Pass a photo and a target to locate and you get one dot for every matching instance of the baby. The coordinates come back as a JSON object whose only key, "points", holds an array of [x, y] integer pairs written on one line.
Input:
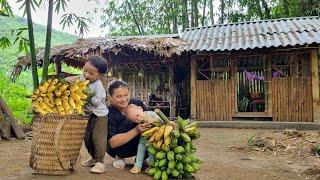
{"points": [[137, 115]]}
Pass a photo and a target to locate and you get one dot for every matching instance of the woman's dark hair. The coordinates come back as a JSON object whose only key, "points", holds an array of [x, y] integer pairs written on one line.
{"points": [[99, 62], [115, 84]]}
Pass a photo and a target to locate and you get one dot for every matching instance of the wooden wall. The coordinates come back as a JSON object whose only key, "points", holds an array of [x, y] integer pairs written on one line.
{"points": [[292, 99], [215, 99]]}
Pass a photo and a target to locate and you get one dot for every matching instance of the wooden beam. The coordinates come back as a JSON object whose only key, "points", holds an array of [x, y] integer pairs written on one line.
{"points": [[315, 85], [193, 88]]}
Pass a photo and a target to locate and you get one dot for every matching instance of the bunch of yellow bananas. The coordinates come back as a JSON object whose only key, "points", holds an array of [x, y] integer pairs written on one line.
{"points": [[159, 137], [59, 97]]}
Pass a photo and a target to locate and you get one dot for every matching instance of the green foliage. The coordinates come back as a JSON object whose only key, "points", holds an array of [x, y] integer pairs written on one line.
{"points": [[4, 42], [60, 4], [295, 8], [5, 9], [145, 17], [14, 93], [15, 97], [9, 56], [70, 19], [33, 3]]}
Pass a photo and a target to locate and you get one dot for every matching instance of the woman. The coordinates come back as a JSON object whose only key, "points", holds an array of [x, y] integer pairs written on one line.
{"points": [[123, 134]]}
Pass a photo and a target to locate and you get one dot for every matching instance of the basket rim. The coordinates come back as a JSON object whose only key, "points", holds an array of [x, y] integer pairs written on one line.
{"points": [[64, 116]]}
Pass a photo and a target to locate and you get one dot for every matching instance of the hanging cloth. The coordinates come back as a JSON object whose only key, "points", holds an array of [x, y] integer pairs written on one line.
{"points": [[252, 76], [277, 74]]}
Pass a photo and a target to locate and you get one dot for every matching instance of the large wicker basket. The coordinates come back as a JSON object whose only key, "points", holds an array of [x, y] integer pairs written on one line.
{"points": [[56, 143]]}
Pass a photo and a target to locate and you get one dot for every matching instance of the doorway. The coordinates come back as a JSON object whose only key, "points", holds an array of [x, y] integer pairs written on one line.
{"points": [[251, 86]]}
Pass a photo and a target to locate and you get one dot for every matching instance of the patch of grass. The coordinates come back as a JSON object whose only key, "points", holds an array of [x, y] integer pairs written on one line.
{"points": [[251, 140], [316, 150]]}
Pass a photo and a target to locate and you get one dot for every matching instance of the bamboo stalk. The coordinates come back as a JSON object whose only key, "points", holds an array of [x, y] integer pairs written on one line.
{"points": [[162, 116]]}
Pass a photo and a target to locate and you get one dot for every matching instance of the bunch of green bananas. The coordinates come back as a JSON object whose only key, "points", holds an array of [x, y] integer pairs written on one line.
{"points": [[59, 97], [173, 149]]}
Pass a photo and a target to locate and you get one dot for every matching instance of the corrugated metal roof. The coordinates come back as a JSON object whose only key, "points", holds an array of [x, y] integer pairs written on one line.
{"points": [[255, 34]]}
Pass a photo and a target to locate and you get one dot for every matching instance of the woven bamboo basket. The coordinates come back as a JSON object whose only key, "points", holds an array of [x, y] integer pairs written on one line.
{"points": [[56, 143]]}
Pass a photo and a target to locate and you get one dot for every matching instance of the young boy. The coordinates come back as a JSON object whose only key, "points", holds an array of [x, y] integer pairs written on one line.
{"points": [[95, 136], [137, 115]]}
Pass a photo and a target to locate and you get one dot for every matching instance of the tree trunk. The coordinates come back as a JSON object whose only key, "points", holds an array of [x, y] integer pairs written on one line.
{"points": [[222, 6], [48, 43], [266, 9], [168, 15], [211, 12], [227, 6], [175, 17], [2, 133], [260, 14], [140, 19], [135, 19], [32, 46], [286, 8], [185, 16], [204, 12], [196, 13], [192, 13], [4, 127]]}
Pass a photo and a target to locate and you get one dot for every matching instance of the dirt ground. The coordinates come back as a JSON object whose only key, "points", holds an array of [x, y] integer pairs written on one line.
{"points": [[220, 150]]}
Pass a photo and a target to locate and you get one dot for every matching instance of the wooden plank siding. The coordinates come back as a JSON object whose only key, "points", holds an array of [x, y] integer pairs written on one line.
{"points": [[292, 99], [315, 85], [214, 99]]}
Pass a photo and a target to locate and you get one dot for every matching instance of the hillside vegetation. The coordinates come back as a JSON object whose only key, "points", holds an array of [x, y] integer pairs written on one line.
{"points": [[15, 93]]}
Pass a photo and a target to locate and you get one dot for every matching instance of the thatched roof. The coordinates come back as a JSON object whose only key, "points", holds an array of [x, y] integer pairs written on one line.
{"points": [[75, 54]]}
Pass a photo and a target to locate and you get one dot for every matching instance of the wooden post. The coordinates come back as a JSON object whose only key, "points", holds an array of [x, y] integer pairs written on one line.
{"points": [[234, 92], [268, 97], [193, 88], [119, 73], [315, 85], [172, 92], [12, 122], [58, 68]]}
